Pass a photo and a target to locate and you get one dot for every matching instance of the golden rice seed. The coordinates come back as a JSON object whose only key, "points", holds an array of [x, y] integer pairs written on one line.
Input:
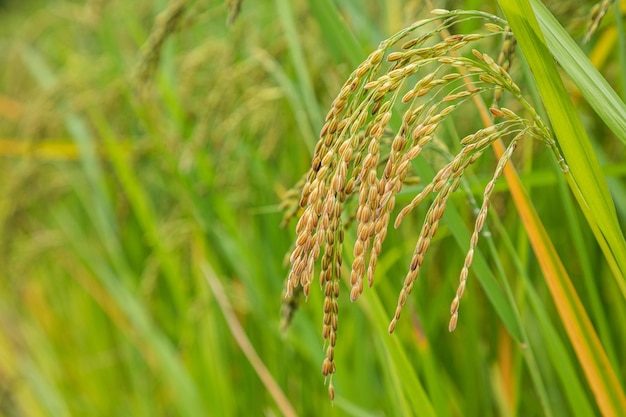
{"points": [[406, 210], [376, 130], [399, 142], [489, 189], [441, 46], [332, 128], [418, 131], [362, 70], [330, 353], [342, 124], [457, 163], [447, 110], [478, 55], [458, 63], [409, 44], [326, 260], [424, 141], [489, 61], [336, 184], [461, 290], [488, 79], [495, 112], [376, 56], [373, 191], [296, 254], [469, 258], [386, 115], [452, 324], [459, 45], [330, 237], [327, 305], [439, 11], [327, 367], [509, 114], [334, 321], [446, 60], [433, 120], [354, 293], [472, 37], [425, 80], [331, 391], [469, 139], [298, 268], [392, 326], [453, 39], [395, 56], [474, 239], [396, 73], [492, 27], [464, 273], [349, 188], [358, 265], [423, 52], [371, 84], [422, 247], [451, 77], [339, 104], [324, 129], [363, 214], [303, 222], [410, 95], [422, 92], [454, 306], [404, 165], [326, 332], [354, 84], [328, 290]]}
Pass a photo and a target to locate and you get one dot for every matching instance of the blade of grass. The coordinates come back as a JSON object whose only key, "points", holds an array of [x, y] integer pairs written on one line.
{"points": [[400, 367], [621, 42], [583, 72], [339, 38], [585, 176], [576, 148], [285, 14], [556, 350], [596, 90], [244, 343], [592, 193]]}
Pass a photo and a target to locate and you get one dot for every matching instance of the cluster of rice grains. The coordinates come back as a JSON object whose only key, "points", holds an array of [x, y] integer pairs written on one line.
{"points": [[425, 81]]}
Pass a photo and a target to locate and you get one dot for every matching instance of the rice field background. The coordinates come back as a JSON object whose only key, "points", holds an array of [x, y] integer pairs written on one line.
{"points": [[148, 154]]}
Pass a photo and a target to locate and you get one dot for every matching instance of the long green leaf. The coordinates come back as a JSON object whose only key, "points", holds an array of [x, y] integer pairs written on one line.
{"points": [[339, 39], [592, 193], [596, 90]]}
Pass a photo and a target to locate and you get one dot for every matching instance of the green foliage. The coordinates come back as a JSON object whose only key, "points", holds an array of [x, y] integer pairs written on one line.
{"points": [[145, 148]]}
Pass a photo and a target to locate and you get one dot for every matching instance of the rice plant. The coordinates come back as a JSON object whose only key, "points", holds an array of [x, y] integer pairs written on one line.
{"points": [[148, 156]]}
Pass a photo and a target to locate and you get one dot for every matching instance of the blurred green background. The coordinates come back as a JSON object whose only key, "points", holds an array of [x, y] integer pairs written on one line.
{"points": [[145, 147]]}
